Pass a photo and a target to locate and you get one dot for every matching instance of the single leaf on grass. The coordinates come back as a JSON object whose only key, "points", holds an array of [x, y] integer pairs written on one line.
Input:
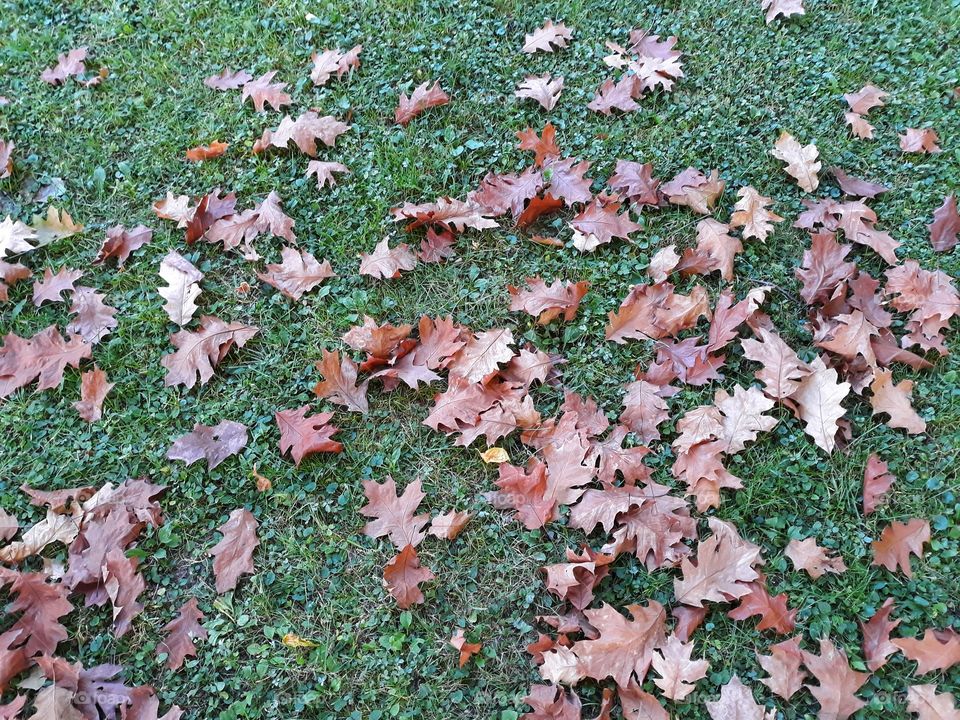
{"points": [[175, 207], [303, 435], [8, 525], [207, 152], [894, 400], [182, 289], [233, 555], [855, 186], [467, 649], [838, 682], [818, 398], [436, 246], [784, 666], [619, 95], [678, 672], [179, 635], [543, 89], [693, 189], [392, 515], [876, 643], [93, 390], [297, 274], [262, 91], [737, 703], [199, 352], [227, 79], [865, 99], [859, 125], [6, 163], [663, 262], [52, 287], [69, 64], [945, 225], [421, 99], [808, 556], [403, 575], [339, 384], [915, 140], [123, 584], [897, 542], [447, 213], [324, 172], [752, 215], [386, 262], [823, 267], [801, 160], [548, 302], [876, 481], [781, 8], [936, 650], [716, 249], [772, 609], [543, 146], [120, 242], [55, 226], [213, 444], [601, 223], [94, 318], [926, 704], [547, 38]]}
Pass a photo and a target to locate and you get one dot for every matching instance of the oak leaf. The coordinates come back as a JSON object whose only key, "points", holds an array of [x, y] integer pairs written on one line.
{"points": [[10, 275], [403, 575], [645, 408], [859, 125], [663, 262], [838, 682], [179, 635], [772, 609], [543, 146], [623, 647], [867, 98], [781, 8], [752, 215], [483, 354], [304, 131], [6, 163], [324, 172], [808, 556], [638, 704], [211, 443], [636, 182], [421, 99], [69, 64], [619, 95], [334, 62], [447, 213], [123, 585], [262, 91], [227, 79], [678, 672], [547, 38], [14, 236], [876, 643], [936, 650], [298, 273], [447, 526], [801, 160], [94, 318], [894, 400], [120, 242], [600, 222], [44, 357], [467, 649], [93, 390], [784, 665], [695, 190], [52, 287], [924, 701], [199, 352], [386, 262], [818, 400], [546, 303], [856, 186], [945, 225], [897, 542], [543, 89], [737, 703], [175, 207], [182, 289], [233, 555], [723, 566], [340, 383], [823, 267], [876, 481], [715, 250], [916, 140], [303, 435]]}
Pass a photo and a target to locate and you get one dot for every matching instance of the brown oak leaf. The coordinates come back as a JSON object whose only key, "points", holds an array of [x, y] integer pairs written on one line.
{"points": [[120, 242], [211, 443], [386, 262], [179, 635], [876, 481], [421, 99], [897, 542], [233, 555], [262, 91], [838, 682], [93, 391], [303, 435], [403, 575], [298, 273], [199, 352]]}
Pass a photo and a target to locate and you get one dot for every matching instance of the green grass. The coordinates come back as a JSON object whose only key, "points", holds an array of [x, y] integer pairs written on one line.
{"points": [[119, 147]]}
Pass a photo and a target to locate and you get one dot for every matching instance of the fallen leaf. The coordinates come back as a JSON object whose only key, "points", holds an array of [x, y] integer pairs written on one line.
{"points": [[386, 262], [93, 390], [781, 8], [179, 635], [867, 98], [495, 456], [324, 172], [838, 683], [449, 525], [945, 225], [548, 302], [213, 444], [467, 649], [303, 435], [94, 318], [392, 515], [293, 640], [808, 556], [894, 400], [784, 666], [543, 89], [737, 703], [403, 575], [678, 672], [924, 701], [182, 289], [262, 91], [876, 482], [120, 242], [897, 542], [818, 398], [207, 152], [52, 287], [876, 643], [199, 352], [916, 140], [801, 160], [421, 99], [233, 555], [547, 38], [937, 650], [297, 274], [752, 215], [228, 80]]}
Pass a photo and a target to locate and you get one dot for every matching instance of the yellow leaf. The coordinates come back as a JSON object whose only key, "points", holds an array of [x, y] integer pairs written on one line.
{"points": [[55, 226], [295, 641], [495, 455]]}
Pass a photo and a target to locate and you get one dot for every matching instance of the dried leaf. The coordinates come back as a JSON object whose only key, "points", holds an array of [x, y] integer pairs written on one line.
{"points": [[233, 555]]}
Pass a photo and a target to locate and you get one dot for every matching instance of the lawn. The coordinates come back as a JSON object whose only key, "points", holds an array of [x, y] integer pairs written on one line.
{"points": [[109, 152]]}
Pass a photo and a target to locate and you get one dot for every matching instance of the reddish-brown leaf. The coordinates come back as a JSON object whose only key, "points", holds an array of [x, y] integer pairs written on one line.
{"points": [[543, 146], [44, 357], [876, 636], [93, 390], [784, 665], [547, 38], [897, 542], [94, 318], [548, 302], [876, 482], [303, 435], [207, 152], [180, 633], [386, 262], [199, 352], [919, 140], [403, 575], [233, 555], [120, 242], [936, 650], [213, 444], [838, 682], [262, 91], [228, 80], [421, 99], [945, 226], [467, 649]]}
